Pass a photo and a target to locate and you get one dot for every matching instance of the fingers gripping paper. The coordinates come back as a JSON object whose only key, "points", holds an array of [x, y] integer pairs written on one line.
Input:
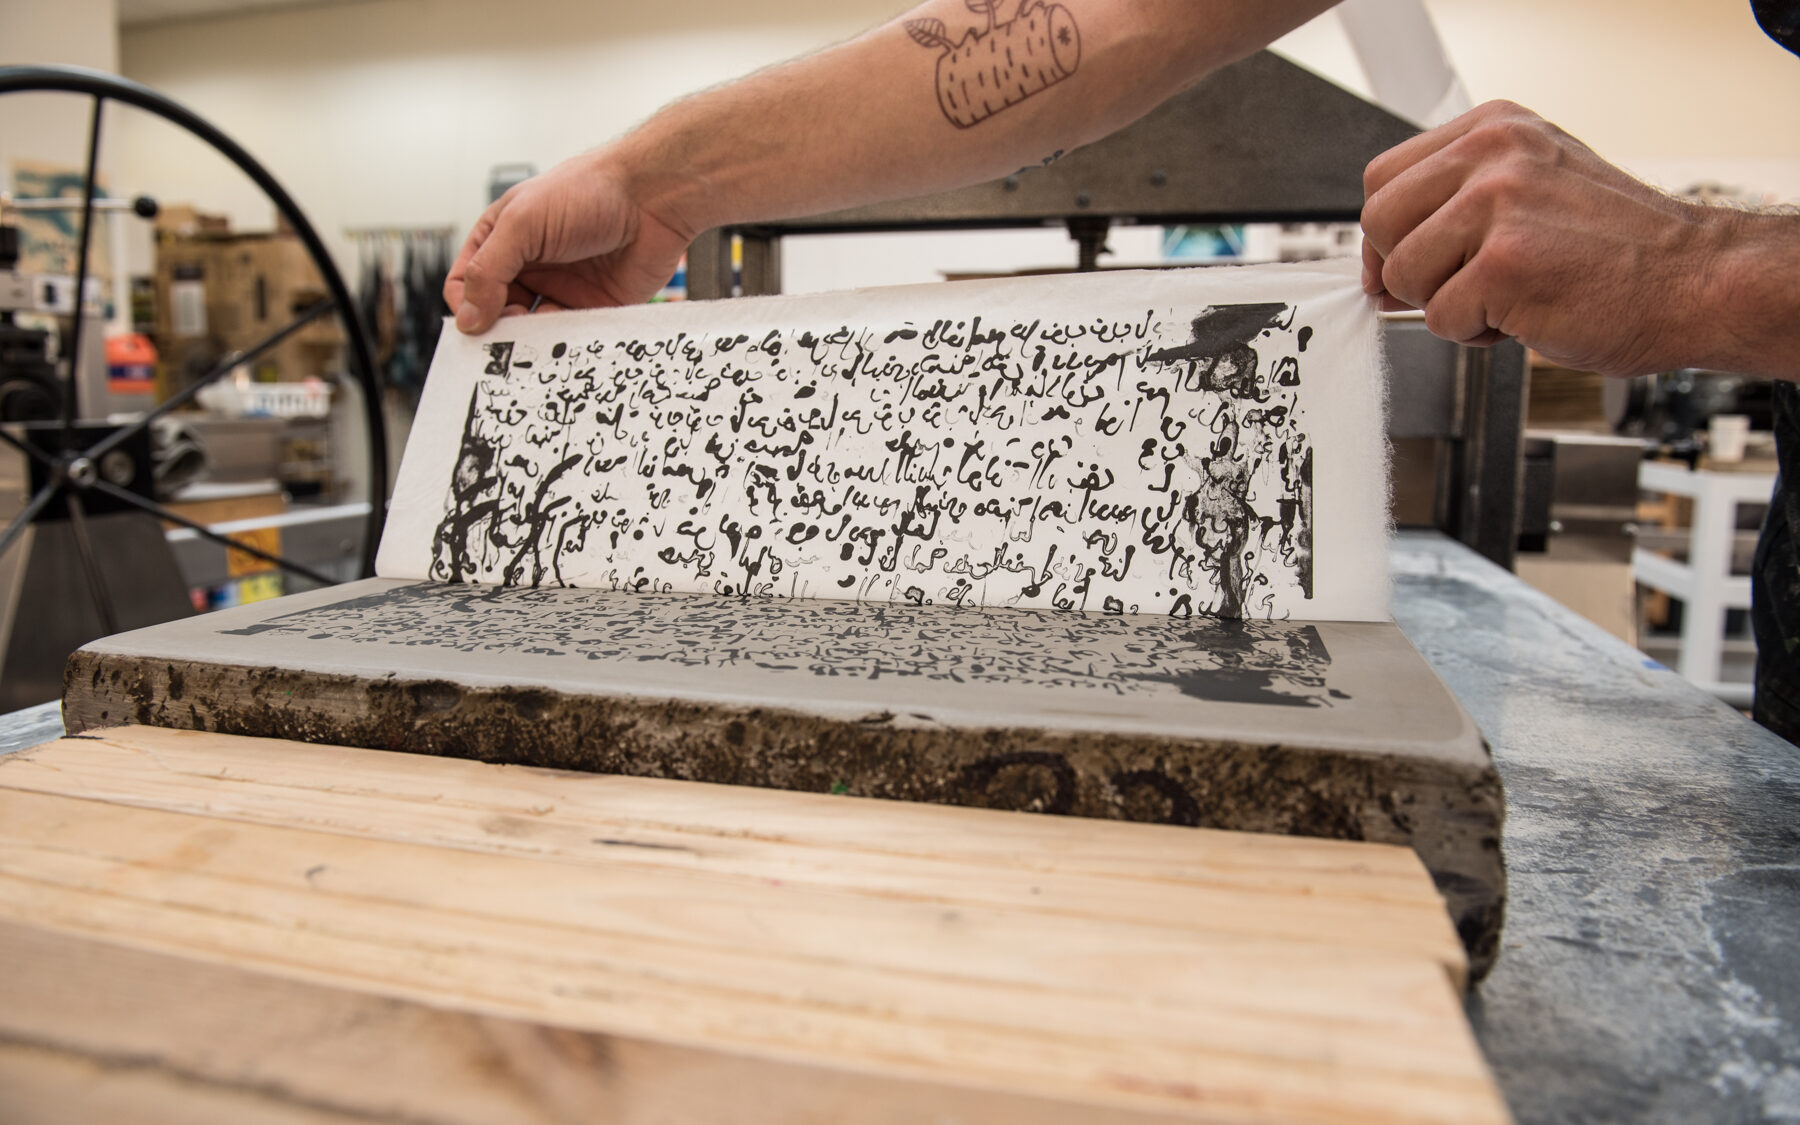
{"points": [[1182, 442]]}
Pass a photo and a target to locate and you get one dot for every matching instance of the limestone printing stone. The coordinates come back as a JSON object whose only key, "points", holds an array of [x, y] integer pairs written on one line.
{"points": [[1332, 729]]}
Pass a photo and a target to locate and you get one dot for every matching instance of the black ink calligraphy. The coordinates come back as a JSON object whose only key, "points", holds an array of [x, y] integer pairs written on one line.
{"points": [[1091, 464], [951, 649]]}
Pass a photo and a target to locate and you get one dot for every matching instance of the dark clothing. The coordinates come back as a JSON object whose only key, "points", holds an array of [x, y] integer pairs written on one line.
{"points": [[1775, 583], [1781, 19]]}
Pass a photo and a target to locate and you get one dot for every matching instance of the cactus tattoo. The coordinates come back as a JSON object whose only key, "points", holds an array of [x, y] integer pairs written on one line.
{"points": [[990, 70]]}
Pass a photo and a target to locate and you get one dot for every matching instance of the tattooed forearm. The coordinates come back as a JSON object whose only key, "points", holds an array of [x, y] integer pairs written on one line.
{"points": [[1005, 63]]}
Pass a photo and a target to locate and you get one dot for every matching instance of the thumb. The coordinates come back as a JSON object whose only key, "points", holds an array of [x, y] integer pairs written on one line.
{"points": [[491, 269]]}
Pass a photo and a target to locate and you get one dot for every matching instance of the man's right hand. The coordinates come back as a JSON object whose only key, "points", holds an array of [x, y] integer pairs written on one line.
{"points": [[570, 238], [1499, 225]]}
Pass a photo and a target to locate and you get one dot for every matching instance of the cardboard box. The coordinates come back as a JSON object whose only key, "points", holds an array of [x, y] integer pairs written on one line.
{"points": [[182, 320], [234, 290], [183, 267], [182, 220], [264, 283], [227, 508]]}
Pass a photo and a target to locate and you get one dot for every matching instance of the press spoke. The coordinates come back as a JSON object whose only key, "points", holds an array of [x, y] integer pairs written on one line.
{"points": [[205, 532]]}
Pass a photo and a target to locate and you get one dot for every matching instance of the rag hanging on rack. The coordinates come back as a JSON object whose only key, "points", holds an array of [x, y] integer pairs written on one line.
{"points": [[402, 271]]}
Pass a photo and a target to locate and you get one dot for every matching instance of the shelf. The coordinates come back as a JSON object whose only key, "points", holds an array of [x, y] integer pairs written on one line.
{"points": [[1676, 579], [1704, 584]]}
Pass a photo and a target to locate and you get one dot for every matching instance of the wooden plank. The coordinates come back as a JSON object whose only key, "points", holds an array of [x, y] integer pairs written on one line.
{"points": [[97, 1032], [700, 989], [187, 859], [1320, 886], [44, 1087], [137, 755], [834, 935]]}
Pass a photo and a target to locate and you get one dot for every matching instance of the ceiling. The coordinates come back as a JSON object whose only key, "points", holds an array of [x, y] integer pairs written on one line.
{"points": [[136, 13]]}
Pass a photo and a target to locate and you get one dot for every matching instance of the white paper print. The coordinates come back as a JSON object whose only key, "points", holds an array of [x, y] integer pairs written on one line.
{"points": [[1177, 442]]}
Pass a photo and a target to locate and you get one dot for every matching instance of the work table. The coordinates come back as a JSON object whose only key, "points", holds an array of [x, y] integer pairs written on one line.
{"points": [[1653, 843]]}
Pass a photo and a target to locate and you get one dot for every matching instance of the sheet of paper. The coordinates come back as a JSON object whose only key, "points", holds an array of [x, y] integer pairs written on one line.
{"points": [[1203, 441]]}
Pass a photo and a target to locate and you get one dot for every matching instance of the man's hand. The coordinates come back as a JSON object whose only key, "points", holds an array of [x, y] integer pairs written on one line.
{"points": [[570, 238], [1500, 224]]}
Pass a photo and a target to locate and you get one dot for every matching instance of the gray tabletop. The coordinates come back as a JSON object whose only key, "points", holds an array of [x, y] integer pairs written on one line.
{"points": [[1649, 970]]}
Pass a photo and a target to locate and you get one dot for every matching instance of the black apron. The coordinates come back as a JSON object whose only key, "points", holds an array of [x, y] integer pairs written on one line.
{"points": [[1775, 582]]}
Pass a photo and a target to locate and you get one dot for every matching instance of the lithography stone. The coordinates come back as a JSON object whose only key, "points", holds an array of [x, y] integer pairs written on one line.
{"points": [[1334, 729]]}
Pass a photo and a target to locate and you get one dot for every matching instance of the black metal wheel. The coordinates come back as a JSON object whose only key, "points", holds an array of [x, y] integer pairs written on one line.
{"points": [[74, 470]]}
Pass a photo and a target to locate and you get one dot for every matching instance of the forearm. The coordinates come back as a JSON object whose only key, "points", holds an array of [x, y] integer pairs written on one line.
{"points": [[883, 117], [1746, 318], [954, 92]]}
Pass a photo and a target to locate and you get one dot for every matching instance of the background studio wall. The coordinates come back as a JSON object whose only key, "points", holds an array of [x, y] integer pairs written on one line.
{"points": [[48, 127]]}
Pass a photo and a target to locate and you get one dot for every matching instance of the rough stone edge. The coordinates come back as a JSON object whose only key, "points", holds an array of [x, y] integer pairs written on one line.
{"points": [[1451, 816]]}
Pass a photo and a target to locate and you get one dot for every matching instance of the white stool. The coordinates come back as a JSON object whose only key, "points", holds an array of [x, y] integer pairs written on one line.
{"points": [[1704, 584]]}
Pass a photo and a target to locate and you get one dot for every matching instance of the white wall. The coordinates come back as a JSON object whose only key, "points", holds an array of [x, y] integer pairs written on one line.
{"points": [[1675, 90], [392, 111], [53, 128]]}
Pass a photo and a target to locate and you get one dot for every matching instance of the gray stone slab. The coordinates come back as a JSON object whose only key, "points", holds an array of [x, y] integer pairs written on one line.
{"points": [[30, 726], [1648, 972], [1334, 729]]}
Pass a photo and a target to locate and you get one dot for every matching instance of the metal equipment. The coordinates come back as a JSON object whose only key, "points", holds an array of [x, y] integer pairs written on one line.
{"points": [[1580, 495], [1262, 140], [91, 554]]}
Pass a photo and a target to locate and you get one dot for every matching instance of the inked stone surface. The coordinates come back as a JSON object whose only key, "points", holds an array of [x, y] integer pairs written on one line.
{"points": [[1324, 729]]}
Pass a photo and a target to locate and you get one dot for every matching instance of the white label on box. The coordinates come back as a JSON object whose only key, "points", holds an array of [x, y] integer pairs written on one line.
{"points": [[187, 306]]}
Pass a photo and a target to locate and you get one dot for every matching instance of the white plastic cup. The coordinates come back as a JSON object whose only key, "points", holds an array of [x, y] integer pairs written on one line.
{"points": [[1726, 436]]}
